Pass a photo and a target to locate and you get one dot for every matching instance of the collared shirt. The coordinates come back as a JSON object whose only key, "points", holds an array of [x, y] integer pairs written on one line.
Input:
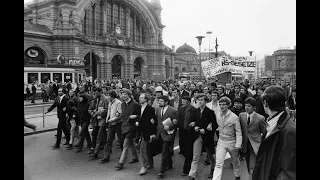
{"points": [[214, 107], [194, 103], [272, 123], [143, 107], [61, 97], [163, 110], [251, 115], [114, 109], [176, 103]]}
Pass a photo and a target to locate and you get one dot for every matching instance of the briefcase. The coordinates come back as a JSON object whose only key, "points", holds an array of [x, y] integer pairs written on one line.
{"points": [[156, 147]]}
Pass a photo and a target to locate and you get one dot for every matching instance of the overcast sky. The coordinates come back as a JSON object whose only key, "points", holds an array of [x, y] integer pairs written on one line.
{"points": [[240, 25]]}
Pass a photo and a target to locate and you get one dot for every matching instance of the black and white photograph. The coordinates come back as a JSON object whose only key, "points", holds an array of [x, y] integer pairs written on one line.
{"points": [[159, 89]]}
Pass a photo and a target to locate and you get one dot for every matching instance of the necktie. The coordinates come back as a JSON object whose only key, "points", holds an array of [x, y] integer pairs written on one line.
{"points": [[98, 104], [248, 120], [162, 111]]}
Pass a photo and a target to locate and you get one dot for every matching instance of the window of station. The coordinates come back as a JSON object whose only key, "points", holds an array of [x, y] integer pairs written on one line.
{"points": [[68, 77], [45, 77], [58, 77], [32, 77]]}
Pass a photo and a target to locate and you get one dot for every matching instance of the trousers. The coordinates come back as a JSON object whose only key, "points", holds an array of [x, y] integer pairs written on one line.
{"points": [[128, 144], [62, 126], [146, 155], [250, 157], [112, 130], [222, 148], [102, 136], [197, 148], [84, 134]]}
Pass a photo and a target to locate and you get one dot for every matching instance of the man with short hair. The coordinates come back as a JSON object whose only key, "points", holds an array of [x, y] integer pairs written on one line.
{"points": [[128, 128], [276, 158], [230, 139], [34, 92], [259, 104], [61, 104], [144, 116], [114, 124], [237, 94], [202, 133], [252, 126], [237, 107], [159, 92], [176, 101], [100, 113], [166, 132], [220, 89], [183, 91]]}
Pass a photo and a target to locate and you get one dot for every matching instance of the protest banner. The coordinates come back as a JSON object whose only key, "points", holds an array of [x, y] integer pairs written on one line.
{"points": [[241, 65]]}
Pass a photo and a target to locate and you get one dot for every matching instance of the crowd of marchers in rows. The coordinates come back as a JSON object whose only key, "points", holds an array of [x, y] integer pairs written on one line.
{"points": [[248, 120]]}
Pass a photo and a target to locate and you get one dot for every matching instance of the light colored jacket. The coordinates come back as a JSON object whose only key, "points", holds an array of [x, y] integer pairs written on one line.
{"points": [[229, 128]]}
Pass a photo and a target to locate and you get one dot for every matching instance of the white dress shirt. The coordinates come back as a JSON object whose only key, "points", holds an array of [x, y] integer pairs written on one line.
{"points": [[251, 115], [143, 106], [163, 110], [61, 97]]}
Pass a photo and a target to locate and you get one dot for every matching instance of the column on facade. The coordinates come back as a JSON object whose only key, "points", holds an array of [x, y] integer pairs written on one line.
{"points": [[140, 28], [128, 11], [134, 28], [171, 66], [104, 16], [106, 67], [96, 28], [112, 16]]}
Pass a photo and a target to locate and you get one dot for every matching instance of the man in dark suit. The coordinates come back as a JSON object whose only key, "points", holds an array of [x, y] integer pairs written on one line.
{"points": [[183, 91], [186, 115], [55, 88], [166, 132], [147, 126], [61, 104], [203, 129], [252, 126], [237, 94], [34, 92], [276, 158]]}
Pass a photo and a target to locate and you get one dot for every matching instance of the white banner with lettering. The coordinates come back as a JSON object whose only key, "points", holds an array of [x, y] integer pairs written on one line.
{"points": [[242, 65]]}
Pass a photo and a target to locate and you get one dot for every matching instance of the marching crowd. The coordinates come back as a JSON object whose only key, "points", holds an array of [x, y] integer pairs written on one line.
{"points": [[247, 120]]}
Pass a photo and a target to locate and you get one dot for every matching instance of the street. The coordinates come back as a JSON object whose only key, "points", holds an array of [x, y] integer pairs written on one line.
{"points": [[43, 163]]}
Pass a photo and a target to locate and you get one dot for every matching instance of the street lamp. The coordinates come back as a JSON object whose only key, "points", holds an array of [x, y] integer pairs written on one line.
{"points": [[279, 60], [209, 32], [216, 47], [199, 42]]}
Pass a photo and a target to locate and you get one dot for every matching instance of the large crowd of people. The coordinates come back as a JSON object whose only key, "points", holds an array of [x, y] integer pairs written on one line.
{"points": [[254, 121]]}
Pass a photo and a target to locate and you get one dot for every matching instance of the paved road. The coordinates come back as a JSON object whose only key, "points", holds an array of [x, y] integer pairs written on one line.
{"points": [[43, 163]]}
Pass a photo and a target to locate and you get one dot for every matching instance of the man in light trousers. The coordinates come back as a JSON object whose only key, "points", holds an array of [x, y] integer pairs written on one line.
{"points": [[230, 139]]}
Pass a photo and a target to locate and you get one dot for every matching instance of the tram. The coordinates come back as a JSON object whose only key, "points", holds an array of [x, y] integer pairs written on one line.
{"points": [[41, 75]]}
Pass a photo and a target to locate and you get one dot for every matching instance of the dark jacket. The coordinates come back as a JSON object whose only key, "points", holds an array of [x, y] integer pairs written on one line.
{"points": [[208, 116], [259, 106], [184, 93], [83, 113], [243, 97], [60, 106], [276, 158], [171, 103], [55, 88], [127, 110], [290, 103], [34, 89], [237, 111], [186, 115], [146, 128], [170, 113]]}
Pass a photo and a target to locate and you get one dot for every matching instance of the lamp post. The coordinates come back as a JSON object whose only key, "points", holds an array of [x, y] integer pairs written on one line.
{"points": [[279, 60], [209, 32], [216, 47], [199, 42]]}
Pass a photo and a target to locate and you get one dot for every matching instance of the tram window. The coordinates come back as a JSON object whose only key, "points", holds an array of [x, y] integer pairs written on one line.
{"points": [[79, 77], [32, 77], [58, 77], [45, 77], [67, 77]]}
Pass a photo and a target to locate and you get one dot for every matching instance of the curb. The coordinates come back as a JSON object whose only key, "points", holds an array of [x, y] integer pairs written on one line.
{"points": [[38, 104], [41, 131]]}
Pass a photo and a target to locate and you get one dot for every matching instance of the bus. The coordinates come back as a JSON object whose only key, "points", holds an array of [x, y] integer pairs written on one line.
{"points": [[41, 75]]}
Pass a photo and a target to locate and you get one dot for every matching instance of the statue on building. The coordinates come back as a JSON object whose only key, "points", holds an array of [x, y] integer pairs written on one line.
{"points": [[59, 20], [71, 19]]}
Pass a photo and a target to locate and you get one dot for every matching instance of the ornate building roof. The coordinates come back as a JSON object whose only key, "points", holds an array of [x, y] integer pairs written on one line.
{"points": [[185, 48], [36, 28]]}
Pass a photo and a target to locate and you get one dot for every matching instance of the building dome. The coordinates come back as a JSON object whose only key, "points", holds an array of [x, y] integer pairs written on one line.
{"points": [[185, 48]]}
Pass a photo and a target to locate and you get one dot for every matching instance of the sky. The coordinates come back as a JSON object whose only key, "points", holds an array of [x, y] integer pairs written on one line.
{"points": [[261, 26]]}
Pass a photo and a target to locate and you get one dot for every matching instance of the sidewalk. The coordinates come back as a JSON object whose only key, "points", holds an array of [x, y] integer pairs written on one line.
{"points": [[47, 123], [37, 102]]}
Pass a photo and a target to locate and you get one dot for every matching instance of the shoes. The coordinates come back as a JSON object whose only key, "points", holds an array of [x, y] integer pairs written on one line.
{"points": [[69, 147], [150, 167], [237, 178], [76, 146], [104, 160], [94, 156], [184, 174], [143, 171], [168, 168], [119, 166], [190, 178], [35, 129], [91, 151], [55, 147], [240, 158], [160, 175], [55, 135], [134, 161], [66, 143]]}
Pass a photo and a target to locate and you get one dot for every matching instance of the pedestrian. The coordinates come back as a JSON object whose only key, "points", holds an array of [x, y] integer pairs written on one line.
{"points": [[84, 116], [114, 124], [128, 128], [34, 92], [276, 158], [61, 104], [147, 126], [186, 115], [100, 113], [159, 92], [237, 94], [259, 104], [73, 119], [29, 125], [166, 132], [55, 88], [202, 133], [252, 126], [183, 91], [28, 92], [230, 139]]}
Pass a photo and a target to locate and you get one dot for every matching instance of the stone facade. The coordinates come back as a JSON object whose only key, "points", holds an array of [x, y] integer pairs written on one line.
{"points": [[72, 28]]}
